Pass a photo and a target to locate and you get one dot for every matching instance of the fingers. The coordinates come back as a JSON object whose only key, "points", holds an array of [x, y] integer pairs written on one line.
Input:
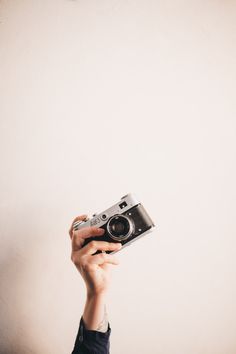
{"points": [[78, 218], [95, 246], [102, 258], [79, 236]]}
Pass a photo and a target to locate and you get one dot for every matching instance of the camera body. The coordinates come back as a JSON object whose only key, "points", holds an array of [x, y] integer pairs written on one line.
{"points": [[124, 222]]}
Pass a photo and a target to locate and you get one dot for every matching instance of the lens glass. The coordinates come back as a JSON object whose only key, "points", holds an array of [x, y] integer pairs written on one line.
{"points": [[119, 226]]}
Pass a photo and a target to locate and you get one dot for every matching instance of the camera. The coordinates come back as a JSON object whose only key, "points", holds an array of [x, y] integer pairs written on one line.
{"points": [[124, 222]]}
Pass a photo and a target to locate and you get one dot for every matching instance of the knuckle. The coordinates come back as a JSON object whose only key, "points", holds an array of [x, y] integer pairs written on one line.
{"points": [[73, 233], [93, 244], [79, 233], [113, 245], [103, 256], [93, 230], [106, 244], [85, 231], [77, 241], [74, 258]]}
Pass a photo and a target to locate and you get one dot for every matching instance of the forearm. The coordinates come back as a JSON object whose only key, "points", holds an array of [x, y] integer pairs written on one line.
{"points": [[95, 316]]}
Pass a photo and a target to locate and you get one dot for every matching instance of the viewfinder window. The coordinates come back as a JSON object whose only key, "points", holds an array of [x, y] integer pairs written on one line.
{"points": [[123, 205]]}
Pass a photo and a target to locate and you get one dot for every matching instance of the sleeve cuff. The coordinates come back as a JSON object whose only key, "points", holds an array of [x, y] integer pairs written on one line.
{"points": [[92, 341], [94, 335]]}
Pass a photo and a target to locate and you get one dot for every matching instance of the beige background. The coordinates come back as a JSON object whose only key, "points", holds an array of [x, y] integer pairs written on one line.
{"points": [[101, 98]]}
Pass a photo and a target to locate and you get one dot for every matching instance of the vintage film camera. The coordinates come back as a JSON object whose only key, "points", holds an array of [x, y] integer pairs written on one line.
{"points": [[124, 222]]}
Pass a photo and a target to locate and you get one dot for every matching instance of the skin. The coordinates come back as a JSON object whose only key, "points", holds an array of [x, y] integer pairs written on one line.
{"points": [[95, 271]]}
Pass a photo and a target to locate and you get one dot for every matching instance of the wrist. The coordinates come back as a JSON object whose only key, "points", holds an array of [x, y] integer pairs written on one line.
{"points": [[95, 316], [95, 295]]}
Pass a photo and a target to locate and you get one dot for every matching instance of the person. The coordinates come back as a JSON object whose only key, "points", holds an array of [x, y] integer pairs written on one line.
{"points": [[93, 336]]}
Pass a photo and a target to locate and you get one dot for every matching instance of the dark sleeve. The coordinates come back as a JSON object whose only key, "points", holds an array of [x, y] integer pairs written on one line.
{"points": [[91, 342]]}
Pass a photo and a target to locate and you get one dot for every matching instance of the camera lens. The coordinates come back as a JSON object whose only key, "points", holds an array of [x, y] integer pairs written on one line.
{"points": [[120, 227]]}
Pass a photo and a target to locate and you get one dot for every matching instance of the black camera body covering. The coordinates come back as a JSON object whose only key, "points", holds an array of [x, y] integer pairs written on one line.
{"points": [[124, 222]]}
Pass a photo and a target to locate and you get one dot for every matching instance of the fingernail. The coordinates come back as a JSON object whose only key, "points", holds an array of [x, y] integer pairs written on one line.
{"points": [[120, 245]]}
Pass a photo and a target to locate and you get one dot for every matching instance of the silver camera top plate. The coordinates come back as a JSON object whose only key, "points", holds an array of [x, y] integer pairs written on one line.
{"points": [[127, 202]]}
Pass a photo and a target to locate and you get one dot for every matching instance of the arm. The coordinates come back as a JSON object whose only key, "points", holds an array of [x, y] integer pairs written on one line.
{"points": [[95, 315], [94, 330]]}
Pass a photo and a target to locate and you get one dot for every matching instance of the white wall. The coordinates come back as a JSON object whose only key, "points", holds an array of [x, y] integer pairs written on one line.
{"points": [[101, 98]]}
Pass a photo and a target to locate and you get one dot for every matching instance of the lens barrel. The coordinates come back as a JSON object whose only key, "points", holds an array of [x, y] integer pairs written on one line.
{"points": [[120, 227]]}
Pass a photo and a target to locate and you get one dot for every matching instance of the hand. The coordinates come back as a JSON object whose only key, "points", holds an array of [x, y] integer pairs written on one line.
{"points": [[95, 269]]}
